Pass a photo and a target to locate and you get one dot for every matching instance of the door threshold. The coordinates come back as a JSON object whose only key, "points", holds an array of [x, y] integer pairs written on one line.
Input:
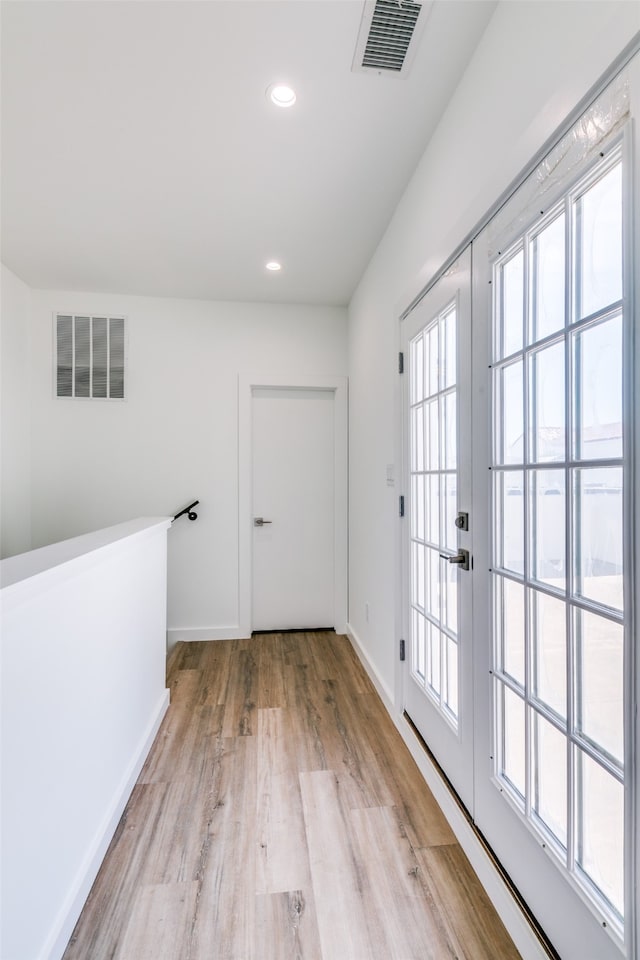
{"points": [[256, 633], [536, 929]]}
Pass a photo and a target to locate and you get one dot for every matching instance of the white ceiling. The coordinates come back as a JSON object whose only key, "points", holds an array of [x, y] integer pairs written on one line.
{"points": [[140, 154]]}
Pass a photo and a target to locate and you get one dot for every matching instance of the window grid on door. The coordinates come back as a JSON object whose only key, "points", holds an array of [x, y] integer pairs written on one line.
{"points": [[558, 609], [433, 503]]}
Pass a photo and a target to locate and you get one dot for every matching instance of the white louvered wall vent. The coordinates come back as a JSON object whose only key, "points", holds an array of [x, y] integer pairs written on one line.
{"points": [[89, 357], [388, 36]]}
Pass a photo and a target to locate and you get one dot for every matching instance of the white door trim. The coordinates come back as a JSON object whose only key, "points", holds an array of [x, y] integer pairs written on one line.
{"points": [[247, 383]]}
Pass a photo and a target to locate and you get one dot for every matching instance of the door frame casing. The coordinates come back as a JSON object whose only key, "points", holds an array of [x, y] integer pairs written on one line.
{"points": [[247, 383]]}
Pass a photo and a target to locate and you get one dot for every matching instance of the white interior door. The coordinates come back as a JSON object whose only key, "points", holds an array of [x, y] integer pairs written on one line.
{"points": [[438, 680], [293, 496]]}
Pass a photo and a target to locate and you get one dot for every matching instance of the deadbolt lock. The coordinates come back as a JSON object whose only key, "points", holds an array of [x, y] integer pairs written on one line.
{"points": [[462, 521]]}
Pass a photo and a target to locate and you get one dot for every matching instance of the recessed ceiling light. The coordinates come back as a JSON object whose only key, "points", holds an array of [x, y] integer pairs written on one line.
{"points": [[281, 94], [274, 266]]}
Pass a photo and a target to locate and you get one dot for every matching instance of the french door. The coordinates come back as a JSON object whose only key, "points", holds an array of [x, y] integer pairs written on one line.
{"points": [[552, 455], [437, 441], [520, 438]]}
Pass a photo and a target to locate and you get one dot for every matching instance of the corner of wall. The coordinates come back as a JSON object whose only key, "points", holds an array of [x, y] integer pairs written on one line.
{"points": [[15, 415]]}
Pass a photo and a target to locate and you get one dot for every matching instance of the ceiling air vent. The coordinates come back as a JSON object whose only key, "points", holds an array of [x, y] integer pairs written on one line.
{"points": [[387, 39]]}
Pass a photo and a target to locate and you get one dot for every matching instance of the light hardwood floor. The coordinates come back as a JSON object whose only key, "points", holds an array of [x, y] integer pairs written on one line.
{"points": [[280, 816]]}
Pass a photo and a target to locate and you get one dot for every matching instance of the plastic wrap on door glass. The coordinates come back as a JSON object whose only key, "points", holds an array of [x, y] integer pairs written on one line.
{"points": [[584, 140]]}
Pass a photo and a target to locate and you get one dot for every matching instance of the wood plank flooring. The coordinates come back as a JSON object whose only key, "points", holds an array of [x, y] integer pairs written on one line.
{"points": [[279, 816]]}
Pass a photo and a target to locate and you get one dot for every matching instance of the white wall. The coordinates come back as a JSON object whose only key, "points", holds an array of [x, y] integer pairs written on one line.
{"points": [[15, 421], [534, 64], [175, 438]]}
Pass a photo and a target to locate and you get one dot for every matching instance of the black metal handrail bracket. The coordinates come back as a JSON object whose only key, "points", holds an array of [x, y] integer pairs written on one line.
{"points": [[189, 512]]}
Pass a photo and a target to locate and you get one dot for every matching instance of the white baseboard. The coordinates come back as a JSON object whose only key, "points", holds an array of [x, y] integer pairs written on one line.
{"points": [[186, 634], [382, 689], [79, 891], [175, 634], [507, 907]]}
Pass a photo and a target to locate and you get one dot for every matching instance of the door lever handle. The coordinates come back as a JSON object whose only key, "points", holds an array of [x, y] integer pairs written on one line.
{"points": [[462, 558], [259, 522]]}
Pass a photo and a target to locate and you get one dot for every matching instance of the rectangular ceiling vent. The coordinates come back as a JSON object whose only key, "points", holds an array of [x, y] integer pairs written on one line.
{"points": [[387, 40]]}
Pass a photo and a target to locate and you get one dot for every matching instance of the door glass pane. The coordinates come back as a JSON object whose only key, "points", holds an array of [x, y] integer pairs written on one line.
{"points": [[417, 575], [598, 378], [549, 637], [417, 371], [513, 743], [450, 511], [434, 658], [547, 409], [510, 626], [509, 500], [451, 341], [601, 681], [550, 777], [599, 215], [548, 271], [417, 437], [432, 508], [510, 421], [450, 612], [419, 643], [432, 444], [417, 515], [512, 296], [547, 534], [432, 360], [433, 583], [450, 432], [451, 687], [598, 535], [601, 829]]}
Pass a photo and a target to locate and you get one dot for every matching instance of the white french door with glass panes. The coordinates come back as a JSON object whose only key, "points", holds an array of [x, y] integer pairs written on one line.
{"points": [[438, 698], [552, 367]]}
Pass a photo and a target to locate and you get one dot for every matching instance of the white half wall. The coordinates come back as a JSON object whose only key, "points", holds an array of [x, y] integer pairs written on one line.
{"points": [[175, 438], [15, 416], [82, 696], [534, 64]]}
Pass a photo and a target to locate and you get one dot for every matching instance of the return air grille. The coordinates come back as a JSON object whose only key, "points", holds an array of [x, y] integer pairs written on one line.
{"points": [[89, 357], [387, 29]]}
